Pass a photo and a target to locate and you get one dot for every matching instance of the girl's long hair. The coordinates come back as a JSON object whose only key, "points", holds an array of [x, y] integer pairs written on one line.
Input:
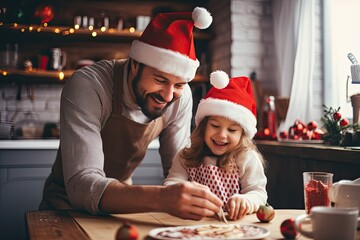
{"points": [[194, 154]]}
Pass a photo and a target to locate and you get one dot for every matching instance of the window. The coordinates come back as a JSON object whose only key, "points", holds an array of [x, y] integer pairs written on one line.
{"points": [[341, 36]]}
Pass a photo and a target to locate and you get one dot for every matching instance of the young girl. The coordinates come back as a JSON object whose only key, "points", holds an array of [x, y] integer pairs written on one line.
{"points": [[222, 155]]}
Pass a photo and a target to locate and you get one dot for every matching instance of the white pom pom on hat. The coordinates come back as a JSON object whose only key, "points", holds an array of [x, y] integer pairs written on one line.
{"points": [[201, 17], [219, 79]]}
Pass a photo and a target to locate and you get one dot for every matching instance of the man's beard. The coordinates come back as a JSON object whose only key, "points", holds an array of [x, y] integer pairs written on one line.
{"points": [[143, 101]]}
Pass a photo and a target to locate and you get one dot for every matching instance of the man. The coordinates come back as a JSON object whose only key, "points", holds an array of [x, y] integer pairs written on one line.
{"points": [[112, 110]]}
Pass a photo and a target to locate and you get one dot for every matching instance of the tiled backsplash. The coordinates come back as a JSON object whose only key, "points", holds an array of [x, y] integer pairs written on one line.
{"points": [[42, 99], [32, 103]]}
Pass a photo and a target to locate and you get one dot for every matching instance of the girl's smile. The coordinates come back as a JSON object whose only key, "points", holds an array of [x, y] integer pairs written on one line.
{"points": [[222, 135]]}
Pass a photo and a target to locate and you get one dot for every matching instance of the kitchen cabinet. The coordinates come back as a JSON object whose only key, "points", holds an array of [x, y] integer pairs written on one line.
{"points": [[24, 167], [22, 176]]}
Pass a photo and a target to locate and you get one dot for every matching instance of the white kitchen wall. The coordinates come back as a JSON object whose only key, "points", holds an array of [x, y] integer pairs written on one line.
{"points": [[221, 42], [253, 46], [244, 39]]}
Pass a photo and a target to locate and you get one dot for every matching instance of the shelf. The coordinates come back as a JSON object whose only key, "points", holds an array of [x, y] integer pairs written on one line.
{"points": [[8, 31], [36, 34], [65, 33], [49, 77], [34, 76]]}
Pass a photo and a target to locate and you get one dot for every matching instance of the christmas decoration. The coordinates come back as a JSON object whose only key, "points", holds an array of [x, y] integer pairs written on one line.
{"points": [[284, 135], [167, 42], [336, 126], [127, 232], [265, 213], [312, 125], [45, 13], [288, 229], [301, 131]]}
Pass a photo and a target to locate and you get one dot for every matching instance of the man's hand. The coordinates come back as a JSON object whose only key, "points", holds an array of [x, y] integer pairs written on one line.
{"points": [[190, 200]]}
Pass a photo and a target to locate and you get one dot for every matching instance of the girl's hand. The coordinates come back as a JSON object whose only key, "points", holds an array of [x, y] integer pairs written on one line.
{"points": [[237, 207]]}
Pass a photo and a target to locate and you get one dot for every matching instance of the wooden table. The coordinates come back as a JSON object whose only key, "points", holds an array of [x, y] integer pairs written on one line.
{"points": [[74, 225]]}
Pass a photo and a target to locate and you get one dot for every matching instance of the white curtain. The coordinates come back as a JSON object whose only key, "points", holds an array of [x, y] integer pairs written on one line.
{"points": [[294, 35], [285, 17]]}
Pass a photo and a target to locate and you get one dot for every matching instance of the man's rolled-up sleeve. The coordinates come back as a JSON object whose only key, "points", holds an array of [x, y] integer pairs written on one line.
{"points": [[81, 144]]}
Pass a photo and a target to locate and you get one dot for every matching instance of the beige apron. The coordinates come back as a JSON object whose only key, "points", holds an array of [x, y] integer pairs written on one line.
{"points": [[125, 144]]}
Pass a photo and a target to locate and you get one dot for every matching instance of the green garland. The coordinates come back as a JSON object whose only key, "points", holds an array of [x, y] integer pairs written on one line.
{"points": [[335, 126]]}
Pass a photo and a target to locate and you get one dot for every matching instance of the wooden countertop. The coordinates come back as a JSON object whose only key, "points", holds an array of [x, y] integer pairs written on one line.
{"points": [[311, 151], [74, 225]]}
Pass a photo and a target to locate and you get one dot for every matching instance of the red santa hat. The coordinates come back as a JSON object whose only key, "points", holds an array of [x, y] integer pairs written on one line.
{"points": [[167, 43], [231, 98]]}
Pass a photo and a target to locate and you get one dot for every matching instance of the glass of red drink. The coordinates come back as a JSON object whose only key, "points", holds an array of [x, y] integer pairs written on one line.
{"points": [[316, 187]]}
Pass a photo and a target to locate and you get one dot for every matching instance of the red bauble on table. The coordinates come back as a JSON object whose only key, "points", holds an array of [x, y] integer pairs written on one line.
{"points": [[288, 229], [265, 213], [127, 232]]}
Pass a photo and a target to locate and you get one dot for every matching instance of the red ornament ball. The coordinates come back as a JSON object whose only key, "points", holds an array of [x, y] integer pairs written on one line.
{"points": [[288, 229], [298, 128], [127, 232], [45, 13], [312, 125], [344, 122], [265, 213], [337, 116], [284, 134]]}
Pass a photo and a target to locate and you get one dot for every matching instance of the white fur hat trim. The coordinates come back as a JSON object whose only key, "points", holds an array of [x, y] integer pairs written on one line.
{"points": [[164, 60], [230, 110]]}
